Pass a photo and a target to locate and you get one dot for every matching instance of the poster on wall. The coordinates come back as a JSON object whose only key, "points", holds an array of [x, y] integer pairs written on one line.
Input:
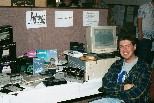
{"points": [[26, 3], [36, 19], [63, 18], [90, 18]]}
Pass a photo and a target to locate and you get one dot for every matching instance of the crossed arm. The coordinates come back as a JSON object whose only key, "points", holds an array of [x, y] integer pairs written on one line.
{"points": [[132, 88]]}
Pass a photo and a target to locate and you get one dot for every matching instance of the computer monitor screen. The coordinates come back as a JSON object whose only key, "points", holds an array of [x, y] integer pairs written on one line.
{"points": [[101, 39]]}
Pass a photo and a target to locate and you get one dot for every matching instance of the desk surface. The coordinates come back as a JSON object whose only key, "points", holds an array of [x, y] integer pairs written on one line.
{"points": [[53, 94]]}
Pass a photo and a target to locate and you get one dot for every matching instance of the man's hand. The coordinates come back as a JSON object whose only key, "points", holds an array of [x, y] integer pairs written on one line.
{"points": [[128, 86]]}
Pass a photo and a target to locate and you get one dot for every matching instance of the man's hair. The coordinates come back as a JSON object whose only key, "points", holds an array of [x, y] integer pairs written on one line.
{"points": [[126, 35]]}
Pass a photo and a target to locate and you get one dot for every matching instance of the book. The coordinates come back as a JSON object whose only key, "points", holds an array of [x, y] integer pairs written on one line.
{"points": [[47, 55], [38, 65]]}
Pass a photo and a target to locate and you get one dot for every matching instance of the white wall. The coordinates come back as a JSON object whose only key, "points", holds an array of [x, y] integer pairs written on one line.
{"points": [[126, 2]]}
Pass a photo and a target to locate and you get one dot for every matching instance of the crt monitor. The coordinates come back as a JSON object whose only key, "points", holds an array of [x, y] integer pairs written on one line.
{"points": [[101, 39]]}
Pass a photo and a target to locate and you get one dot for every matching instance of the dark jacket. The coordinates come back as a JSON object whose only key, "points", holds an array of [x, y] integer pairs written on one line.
{"points": [[139, 75]]}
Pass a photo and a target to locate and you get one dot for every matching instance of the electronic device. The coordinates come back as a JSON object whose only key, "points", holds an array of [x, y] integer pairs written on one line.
{"points": [[6, 34], [54, 81], [80, 69], [8, 51], [8, 66], [101, 39], [76, 46]]}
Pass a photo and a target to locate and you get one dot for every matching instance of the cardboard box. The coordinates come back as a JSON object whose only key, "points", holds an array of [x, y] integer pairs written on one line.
{"points": [[40, 3], [5, 2]]}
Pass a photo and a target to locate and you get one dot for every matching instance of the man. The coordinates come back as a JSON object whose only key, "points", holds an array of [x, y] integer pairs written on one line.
{"points": [[145, 30], [128, 79]]}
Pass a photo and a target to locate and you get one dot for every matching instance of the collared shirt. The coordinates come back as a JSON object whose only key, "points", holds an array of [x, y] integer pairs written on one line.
{"points": [[139, 75], [146, 11]]}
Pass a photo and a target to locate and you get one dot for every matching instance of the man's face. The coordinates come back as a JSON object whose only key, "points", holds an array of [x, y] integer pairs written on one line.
{"points": [[127, 50]]}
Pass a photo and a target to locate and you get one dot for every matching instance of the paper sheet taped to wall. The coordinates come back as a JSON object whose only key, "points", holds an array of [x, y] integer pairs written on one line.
{"points": [[63, 18], [36, 19]]}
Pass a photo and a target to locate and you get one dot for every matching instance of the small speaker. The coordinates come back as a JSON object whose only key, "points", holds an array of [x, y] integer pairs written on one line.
{"points": [[76, 46]]}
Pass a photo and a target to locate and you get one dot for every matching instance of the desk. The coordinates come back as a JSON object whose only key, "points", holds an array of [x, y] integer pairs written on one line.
{"points": [[53, 94]]}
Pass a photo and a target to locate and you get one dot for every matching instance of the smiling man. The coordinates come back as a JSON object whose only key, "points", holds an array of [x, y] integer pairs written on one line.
{"points": [[128, 79]]}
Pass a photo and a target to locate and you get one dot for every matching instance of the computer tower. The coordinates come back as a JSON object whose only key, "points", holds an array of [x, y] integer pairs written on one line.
{"points": [[93, 69]]}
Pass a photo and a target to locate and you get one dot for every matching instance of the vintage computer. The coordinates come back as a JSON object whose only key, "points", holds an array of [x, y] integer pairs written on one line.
{"points": [[99, 40]]}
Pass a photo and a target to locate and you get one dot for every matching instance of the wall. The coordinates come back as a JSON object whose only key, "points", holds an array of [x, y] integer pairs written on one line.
{"points": [[126, 2], [50, 37]]}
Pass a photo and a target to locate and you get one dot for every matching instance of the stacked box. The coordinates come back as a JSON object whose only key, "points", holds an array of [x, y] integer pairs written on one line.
{"points": [[40, 3], [5, 2], [6, 34], [7, 49], [7, 46]]}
